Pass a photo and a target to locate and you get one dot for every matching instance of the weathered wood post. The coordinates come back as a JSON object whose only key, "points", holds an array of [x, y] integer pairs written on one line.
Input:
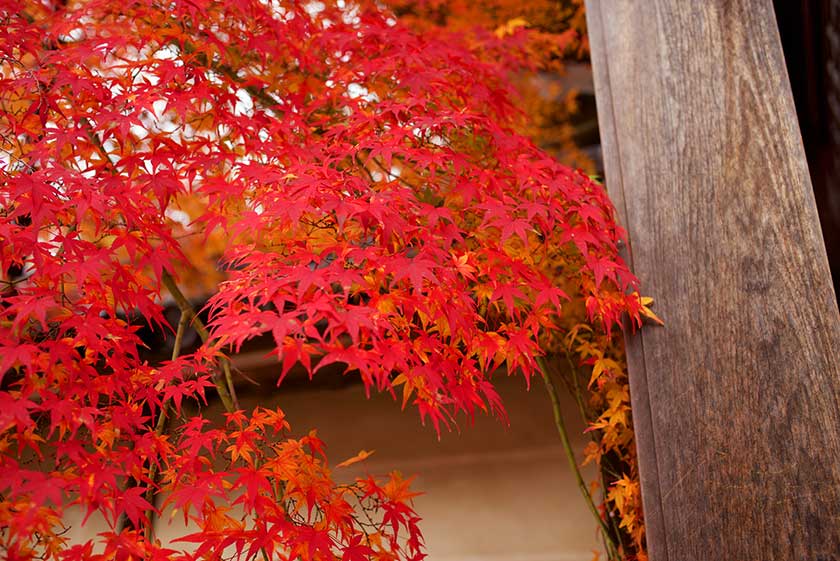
{"points": [[737, 400]]}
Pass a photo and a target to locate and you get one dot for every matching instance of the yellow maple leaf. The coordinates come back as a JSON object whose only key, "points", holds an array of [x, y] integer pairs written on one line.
{"points": [[361, 456], [510, 27], [645, 310]]}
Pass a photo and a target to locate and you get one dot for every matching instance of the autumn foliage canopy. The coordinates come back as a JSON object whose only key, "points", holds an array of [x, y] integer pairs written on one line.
{"points": [[352, 188]]}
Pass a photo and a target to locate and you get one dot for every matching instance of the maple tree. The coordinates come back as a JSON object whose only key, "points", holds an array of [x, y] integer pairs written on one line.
{"points": [[372, 206]]}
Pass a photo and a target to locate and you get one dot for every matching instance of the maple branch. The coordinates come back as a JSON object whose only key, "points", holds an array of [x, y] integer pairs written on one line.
{"points": [[267, 99], [575, 375], [573, 386], [103, 153], [602, 463], [223, 387], [179, 337], [361, 165], [570, 455], [388, 174], [160, 427], [229, 382]]}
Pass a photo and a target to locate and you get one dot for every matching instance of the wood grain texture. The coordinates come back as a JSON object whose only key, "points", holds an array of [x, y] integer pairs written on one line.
{"points": [[737, 400]]}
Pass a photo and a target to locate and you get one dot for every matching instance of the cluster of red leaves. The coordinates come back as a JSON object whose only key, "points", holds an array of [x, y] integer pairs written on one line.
{"points": [[533, 41], [376, 208], [249, 492]]}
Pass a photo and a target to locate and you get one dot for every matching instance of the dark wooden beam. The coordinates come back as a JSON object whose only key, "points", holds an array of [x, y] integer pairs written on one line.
{"points": [[810, 33], [736, 402]]}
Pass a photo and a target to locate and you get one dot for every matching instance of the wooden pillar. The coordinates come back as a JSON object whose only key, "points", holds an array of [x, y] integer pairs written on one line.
{"points": [[736, 402]]}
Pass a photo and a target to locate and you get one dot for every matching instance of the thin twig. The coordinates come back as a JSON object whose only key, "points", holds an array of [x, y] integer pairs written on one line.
{"points": [[570, 455], [573, 371], [601, 467], [160, 426], [223, 384]]}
